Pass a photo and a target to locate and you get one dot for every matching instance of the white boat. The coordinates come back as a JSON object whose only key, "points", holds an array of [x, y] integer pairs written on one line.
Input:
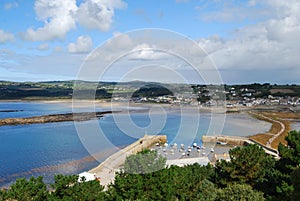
{"points": [[222, 143]]}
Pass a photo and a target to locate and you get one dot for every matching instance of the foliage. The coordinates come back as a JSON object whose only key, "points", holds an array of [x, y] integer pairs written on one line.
{"points": [[67, 188], [287, 165], [152, 90], [247, 165], [64, 188], [32, 189], [296, 183], [144, 162], [3, 195], [174, 183], [290, 154], [238, 192]]}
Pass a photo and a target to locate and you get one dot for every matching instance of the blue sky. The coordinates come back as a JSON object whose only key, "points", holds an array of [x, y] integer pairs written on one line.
{"points": [[248, 40]]}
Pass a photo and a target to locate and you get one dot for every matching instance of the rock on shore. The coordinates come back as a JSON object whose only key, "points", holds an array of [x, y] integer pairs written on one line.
{"points": [[84, 116]]}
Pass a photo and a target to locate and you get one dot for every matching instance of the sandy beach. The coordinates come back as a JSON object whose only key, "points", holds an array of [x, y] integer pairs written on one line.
{"points": [[113, 104]]}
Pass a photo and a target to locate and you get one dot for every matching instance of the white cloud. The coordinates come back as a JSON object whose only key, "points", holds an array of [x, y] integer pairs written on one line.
{"points": [[84, 44], [58, 19], [146, 52], [5, 37], [11, 5], [119, 42], [98, 14], [61, 16]]}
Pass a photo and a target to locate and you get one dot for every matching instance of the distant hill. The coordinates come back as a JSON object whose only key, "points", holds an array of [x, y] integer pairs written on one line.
{"points": [[104, 90]]}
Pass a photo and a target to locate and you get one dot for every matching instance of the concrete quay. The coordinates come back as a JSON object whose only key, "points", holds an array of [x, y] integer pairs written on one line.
{"points": [[239, 141], [107, 169]]}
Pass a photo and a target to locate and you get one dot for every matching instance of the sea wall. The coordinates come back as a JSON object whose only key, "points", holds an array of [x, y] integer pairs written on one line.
{"points": [[106, 170]]}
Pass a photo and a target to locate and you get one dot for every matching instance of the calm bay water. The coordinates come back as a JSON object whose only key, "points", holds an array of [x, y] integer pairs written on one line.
{"points": [[53, 148], [295, 125]]}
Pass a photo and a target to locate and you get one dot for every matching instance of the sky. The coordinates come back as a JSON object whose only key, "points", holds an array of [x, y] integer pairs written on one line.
{"points": [[246, 41]]}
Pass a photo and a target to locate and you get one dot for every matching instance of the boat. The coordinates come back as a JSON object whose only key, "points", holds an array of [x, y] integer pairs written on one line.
{"points": [[221, 143]]}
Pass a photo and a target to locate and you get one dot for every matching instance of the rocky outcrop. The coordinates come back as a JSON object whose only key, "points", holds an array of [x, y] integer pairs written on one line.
{"points": [[84, 116], [11, 110]]}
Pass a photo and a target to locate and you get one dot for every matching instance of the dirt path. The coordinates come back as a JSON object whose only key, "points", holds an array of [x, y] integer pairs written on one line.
{"points": [[278, 133], [274, 135]]}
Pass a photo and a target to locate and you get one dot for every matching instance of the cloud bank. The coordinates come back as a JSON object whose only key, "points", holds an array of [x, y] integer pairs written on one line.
{"points": [[270, 45]]}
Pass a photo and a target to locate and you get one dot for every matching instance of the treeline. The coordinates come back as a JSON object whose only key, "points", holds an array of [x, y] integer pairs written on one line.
{"points": [[152, 90], [42, 90], [250, 175]]}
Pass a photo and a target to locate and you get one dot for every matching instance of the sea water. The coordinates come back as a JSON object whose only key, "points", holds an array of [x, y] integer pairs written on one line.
{"points": [[58, 148], [295, 125]]}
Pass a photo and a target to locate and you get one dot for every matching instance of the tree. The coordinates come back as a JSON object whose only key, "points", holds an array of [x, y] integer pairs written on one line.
{"points": [[238, 192], [287, 165], [174, 183], [296, 183], [32, 189], [3, 194], [290, 154], [67, 188], [248, 164], [144, 162]]}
